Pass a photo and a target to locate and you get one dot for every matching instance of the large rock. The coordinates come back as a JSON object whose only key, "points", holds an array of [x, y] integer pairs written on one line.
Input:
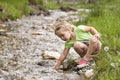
{"points": [[50, 55]]}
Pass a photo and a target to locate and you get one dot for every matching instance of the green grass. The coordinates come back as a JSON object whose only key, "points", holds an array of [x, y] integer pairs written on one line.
{"points": [[10, 12], [53, 5], [105, 18], [13, 9]]}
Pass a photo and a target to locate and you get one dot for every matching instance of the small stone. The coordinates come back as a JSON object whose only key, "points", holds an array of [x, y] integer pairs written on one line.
{"points": [[2, 30], [36, 33], [42, 63], [80, 72], [2, 25], [89, 73]]}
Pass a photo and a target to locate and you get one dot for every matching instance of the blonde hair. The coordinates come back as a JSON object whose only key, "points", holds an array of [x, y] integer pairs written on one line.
{"points": [[65, 25]]}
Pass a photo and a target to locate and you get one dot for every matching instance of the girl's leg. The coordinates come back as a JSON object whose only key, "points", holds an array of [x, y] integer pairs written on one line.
{"points": [[80, 48], [98, 48], [93, 47]]}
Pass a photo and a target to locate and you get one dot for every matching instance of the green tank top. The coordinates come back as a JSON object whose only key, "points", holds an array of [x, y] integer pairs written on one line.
{"points": [[81, 35]]}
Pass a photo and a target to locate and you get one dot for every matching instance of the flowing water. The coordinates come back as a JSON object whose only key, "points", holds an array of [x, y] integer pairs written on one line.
{"points": [[21, 48]]}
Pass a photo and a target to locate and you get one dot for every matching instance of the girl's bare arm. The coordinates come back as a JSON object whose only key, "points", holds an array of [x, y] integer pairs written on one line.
{"points": [[62, 57], [93, 31]]}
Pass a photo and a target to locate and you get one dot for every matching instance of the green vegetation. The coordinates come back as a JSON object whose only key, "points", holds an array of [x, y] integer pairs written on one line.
{"points": [[105, 18], [12, 9]]}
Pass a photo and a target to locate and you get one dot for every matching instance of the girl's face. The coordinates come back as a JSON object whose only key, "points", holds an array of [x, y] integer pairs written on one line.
{"points": [[64, 34]]}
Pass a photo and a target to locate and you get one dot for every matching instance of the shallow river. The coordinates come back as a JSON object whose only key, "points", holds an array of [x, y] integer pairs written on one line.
{"points": [[22, 46]]}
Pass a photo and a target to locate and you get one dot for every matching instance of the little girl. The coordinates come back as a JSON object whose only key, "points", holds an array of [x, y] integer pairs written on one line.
{"points": [[84, 39]]}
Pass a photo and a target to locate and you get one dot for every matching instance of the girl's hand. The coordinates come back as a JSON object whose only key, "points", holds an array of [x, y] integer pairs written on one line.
{"points": [[97, 36], [93, 39], [56, 68]]}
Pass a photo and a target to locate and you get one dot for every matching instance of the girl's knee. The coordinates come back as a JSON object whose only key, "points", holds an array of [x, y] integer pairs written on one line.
{"points": [[77, 45], [99, 45], [94, 40], [98, 48]]}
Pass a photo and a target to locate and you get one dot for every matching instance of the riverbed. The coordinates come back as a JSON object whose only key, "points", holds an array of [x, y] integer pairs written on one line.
{"points": [[22, 46]]}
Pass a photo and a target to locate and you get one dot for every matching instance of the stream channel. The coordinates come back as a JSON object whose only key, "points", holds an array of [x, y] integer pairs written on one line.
{"points": [[21, 48]]}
